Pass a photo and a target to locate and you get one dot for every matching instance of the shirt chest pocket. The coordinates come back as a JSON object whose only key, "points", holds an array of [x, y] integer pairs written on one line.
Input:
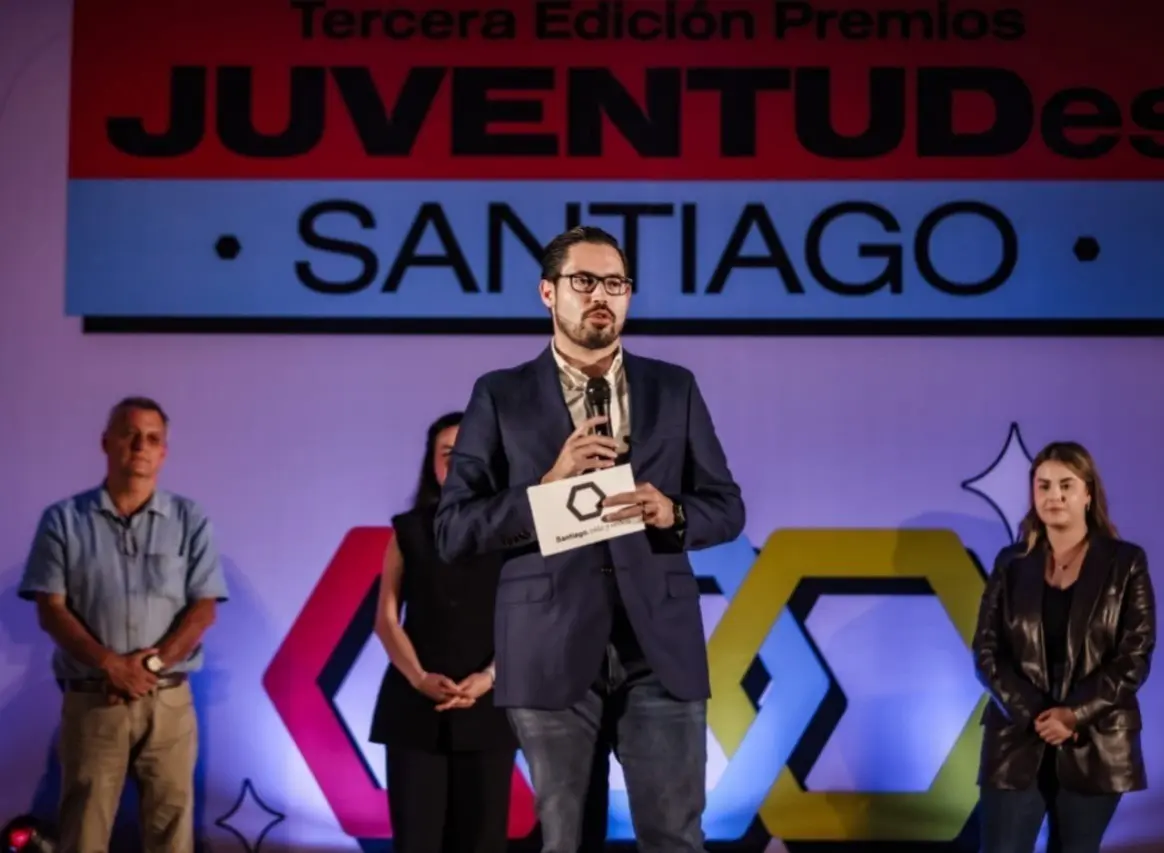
{"points": [[165, 576]]}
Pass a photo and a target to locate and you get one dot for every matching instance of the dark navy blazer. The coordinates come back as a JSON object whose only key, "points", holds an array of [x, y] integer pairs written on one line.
{"points": [[553, 615]]}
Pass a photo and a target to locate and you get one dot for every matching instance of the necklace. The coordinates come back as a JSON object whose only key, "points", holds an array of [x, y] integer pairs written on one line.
{"points": [[1062, 563]]}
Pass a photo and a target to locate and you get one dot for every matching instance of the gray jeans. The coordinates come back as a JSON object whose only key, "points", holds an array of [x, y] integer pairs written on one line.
{"points": [[661, 743]]}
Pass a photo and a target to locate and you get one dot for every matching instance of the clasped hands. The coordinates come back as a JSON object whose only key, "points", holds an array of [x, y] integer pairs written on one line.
{"points": [[587, 451], [449, 694], [1056, 726], [127, 677]]}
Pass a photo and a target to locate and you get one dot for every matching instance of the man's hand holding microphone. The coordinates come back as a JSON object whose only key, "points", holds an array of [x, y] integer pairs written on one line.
{"points": [[584, 451], [589, 448]]}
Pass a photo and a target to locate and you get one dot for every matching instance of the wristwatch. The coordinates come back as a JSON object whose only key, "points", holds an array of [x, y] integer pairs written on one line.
{"points": [[155, 664], [680, 517]]}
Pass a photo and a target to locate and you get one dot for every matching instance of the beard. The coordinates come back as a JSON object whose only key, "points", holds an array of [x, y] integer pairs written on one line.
{"points": [[589, 337]]}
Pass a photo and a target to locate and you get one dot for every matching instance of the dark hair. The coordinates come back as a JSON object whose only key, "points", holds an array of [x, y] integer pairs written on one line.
{"points": [[428, 491], [1074, 457], [554, 255], [143, 404]]}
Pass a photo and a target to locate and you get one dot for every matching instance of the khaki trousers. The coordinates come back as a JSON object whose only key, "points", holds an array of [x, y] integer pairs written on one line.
{"points": [[153, 739]]}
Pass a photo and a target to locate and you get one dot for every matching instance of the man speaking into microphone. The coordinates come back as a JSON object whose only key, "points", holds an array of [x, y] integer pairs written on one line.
{"points": [[606, 637]]}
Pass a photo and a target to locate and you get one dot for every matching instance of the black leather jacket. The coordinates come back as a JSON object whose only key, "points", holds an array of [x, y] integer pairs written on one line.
{"points": [[1111, 636]]}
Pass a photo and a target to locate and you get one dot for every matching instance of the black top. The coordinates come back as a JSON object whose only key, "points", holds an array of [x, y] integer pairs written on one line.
{"points": [[1056, 610], [448, 616]]}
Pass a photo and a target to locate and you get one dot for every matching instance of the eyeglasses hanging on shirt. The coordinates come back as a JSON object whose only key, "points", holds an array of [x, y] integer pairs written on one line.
{"points": [[126, 539]]}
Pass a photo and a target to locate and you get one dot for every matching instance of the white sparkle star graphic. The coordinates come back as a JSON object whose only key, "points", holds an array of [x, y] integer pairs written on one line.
{"points": [[1004, 483], [250, 819]]}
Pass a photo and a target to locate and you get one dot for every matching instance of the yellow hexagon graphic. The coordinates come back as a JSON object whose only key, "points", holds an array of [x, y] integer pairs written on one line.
{"points": [[790, 812]]}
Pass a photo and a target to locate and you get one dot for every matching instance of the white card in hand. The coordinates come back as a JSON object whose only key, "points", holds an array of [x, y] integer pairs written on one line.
{"points": [[568, 513]]}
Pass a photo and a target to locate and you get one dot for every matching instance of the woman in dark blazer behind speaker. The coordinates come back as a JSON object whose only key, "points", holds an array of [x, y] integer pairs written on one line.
{"points": [[1065, 637]]}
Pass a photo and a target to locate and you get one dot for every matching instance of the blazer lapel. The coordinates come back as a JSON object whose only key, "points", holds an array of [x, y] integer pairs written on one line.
{"points": [[1084, 598], [642, 412], [551, 402], [1028, 605]]}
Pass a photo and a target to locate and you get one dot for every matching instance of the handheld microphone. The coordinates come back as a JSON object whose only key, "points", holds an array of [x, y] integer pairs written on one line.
{"points": [[598, 401]]}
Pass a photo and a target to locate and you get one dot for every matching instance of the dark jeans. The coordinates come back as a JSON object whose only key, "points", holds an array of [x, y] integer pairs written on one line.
{"points": [[1011, 820], [660, 741], [596, 812]]}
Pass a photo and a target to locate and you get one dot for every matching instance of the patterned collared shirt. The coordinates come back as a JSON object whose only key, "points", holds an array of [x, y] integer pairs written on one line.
{"points": [[574, 389]]}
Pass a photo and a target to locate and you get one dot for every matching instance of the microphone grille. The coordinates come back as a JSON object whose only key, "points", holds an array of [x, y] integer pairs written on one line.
{"points": [[598, 390]]}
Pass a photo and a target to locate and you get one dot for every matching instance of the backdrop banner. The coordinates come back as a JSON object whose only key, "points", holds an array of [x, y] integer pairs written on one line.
{"points": [[766, 164]]}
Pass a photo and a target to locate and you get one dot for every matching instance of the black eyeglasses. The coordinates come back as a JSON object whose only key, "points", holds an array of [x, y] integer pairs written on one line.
{"points": [[585, 282]]}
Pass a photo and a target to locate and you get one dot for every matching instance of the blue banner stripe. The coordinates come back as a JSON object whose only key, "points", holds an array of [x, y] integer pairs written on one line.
{"points": [[236, 249]]}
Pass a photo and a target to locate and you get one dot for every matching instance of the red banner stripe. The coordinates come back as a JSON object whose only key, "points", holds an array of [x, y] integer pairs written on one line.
{"points": [[1079, 91]]}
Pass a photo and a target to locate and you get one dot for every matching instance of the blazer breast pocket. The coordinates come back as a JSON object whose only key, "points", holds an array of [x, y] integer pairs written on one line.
{"points": [[166, 576], [658, 458]]}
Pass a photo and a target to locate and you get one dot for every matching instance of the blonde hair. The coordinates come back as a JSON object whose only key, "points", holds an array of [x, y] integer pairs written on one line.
{"points": [[1078, 461]]}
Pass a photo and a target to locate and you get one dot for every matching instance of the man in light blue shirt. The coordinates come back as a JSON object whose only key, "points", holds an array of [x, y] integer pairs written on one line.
{"points": [[126, 579]]}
